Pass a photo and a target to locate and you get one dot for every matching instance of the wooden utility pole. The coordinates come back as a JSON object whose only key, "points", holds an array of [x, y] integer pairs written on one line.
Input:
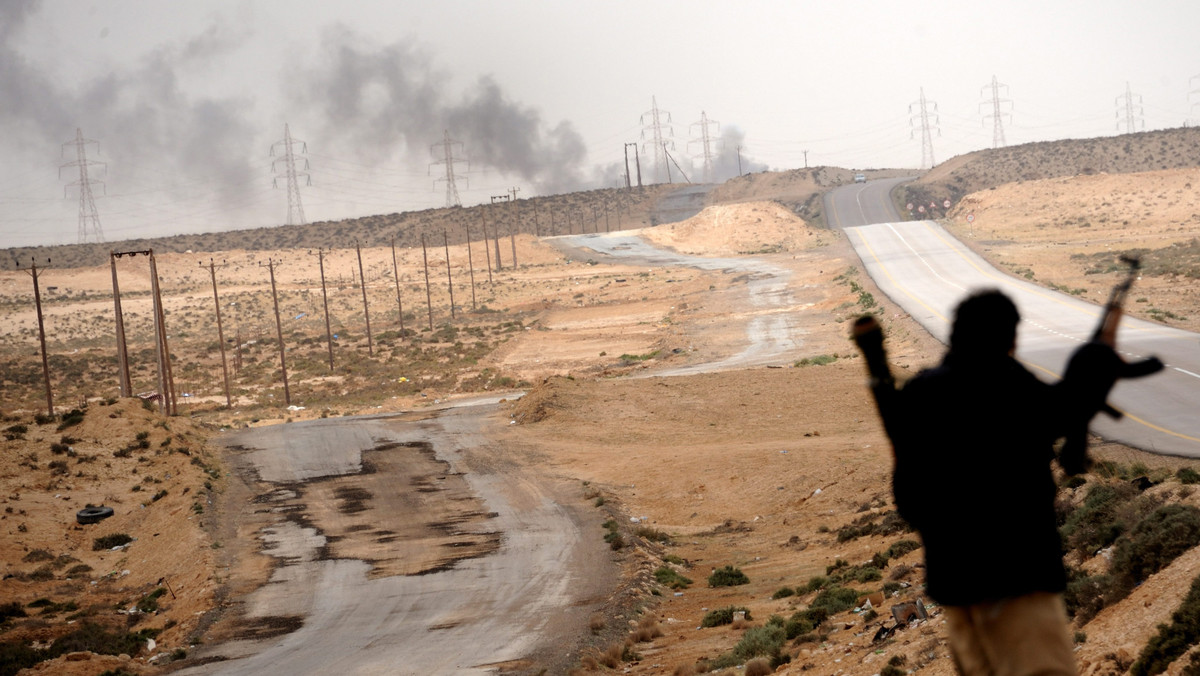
{"points": [[122, 352], [325, 304], [428, 293], [37, 301], [287, 393], [212, 271], [396, 274], [449, 278], [366, 313], [470, 264]]}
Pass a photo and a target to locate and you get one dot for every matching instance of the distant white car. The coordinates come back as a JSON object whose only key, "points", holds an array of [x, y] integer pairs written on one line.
{"points": [[860, 178]]}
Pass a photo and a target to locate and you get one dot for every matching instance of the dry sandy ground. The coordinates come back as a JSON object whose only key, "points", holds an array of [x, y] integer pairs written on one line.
{"points": [[756, 469]]}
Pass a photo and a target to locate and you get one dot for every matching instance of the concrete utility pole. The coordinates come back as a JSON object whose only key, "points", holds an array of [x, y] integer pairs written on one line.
{"points": [[428, 293], [212, 271], [325, 304], [487, 252], [516, 225], [496, 231], [122, 352], [929, 121], [449, 277], [1134, 113], [287, 393], [37, 301], [470, 264], [997, 105], [705, 141], [396, 274], [295, 207], [89, 218], [446, 157], [166, 375], [655, 127], [366, 311]]}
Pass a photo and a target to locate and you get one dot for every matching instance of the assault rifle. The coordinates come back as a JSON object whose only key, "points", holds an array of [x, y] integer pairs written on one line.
{"points": [[1094, 369]]}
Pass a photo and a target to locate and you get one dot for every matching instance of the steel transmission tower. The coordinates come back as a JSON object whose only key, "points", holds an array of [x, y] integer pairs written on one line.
{"points": [[295, 207], [706, 143], [998, 112], [448, 159], [656, 131], [1133, 112], [927, 127], [89, 218]]}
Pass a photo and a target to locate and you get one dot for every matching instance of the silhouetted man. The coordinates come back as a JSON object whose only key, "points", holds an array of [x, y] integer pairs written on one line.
{"points": [[973, 441]]}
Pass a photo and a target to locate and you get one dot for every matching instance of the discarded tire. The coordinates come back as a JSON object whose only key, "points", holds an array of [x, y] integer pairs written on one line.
{"points": [[93, 514]]}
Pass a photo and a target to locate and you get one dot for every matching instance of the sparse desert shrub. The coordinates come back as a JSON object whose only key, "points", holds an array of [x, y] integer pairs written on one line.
{"points": [[783, 593], [652, 534], [727, 576], [759, 667], [1153, 544], [1174, 639], [835, 599], [149, 602], [669, 577], [647, 630], [1097, 522], [1187, 475], [70, 419], [722, 616], [764, 641], [901, 547], [110, 541]]}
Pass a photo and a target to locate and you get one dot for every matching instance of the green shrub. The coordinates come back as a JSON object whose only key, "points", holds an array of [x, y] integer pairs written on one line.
{"points": [[783, 593], [652, 534], [901, 547], [669, 577], [1097, 522], [1187, 475], [764, 641], [815, 583], [835, 599], [1174, 639], [1085, 595], [149, 602], [110, 541], [70, 419], [727, 577], [804, 621], [1154, 543], [721, 616]]}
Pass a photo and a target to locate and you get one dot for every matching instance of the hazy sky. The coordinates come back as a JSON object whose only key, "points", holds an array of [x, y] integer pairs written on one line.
{"points": [[185, 99]]}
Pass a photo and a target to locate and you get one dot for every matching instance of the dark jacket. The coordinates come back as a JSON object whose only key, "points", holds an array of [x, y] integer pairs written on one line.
{"points": [[973, 445]]}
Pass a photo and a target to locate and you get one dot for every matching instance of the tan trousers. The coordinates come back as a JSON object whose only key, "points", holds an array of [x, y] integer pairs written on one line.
{"points": [[1023, 636]]}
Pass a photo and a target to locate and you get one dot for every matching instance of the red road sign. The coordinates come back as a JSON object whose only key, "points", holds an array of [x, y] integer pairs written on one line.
{"points": [[946, 204]]}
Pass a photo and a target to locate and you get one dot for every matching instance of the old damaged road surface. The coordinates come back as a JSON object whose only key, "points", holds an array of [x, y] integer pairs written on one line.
{"points": [[400, 544]]}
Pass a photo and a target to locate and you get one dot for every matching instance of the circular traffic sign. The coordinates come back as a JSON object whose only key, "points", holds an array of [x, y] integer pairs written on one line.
{"points": [[910, 206], [921, 208], [946, 204], [970, 218]]}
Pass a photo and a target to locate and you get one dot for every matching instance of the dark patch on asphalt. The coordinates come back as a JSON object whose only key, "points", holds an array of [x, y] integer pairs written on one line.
{"points": [[269, 627], [444, 625], [354, 499]]}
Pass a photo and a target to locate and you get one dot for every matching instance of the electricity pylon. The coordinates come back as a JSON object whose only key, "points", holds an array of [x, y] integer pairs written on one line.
{"points": [[89, 218], [295, 207], [1131, 118], [655, 127], [706, 143], [448, 159], [997, 113], [927, 127], [1194, 93]]}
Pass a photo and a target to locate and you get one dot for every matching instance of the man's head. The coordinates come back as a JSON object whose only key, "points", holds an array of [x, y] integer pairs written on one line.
{"points": [[985, 325]]}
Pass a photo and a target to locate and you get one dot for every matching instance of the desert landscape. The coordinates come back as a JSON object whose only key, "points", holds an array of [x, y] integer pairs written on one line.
{"points": [[747, 512]]}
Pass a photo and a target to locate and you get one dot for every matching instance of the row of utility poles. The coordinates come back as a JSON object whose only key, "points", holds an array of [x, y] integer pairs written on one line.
{"points": [[165, 396]]}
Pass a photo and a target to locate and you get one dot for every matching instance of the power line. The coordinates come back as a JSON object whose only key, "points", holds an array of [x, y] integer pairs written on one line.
{"points": [[997, 115], [448, 159], [295, 207], [1131, 118], [656, 131], [89, 218], [927, 127], [705, 141], [1193, 93]]}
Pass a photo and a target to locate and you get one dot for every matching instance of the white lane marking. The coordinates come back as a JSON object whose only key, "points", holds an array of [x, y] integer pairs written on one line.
{"points": [[1194, 375]]}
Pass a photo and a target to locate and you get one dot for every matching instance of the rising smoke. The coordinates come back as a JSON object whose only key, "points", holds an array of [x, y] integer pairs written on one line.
{"points": [[371, 99], [148, 124]]}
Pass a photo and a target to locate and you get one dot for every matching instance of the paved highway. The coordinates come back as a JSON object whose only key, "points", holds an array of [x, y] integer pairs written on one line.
{"points": [[926, 271]]}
